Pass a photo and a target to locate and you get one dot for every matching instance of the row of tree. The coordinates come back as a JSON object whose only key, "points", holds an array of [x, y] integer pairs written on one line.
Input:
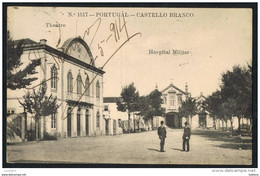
{"points": [[147, 106], [234, 99]]}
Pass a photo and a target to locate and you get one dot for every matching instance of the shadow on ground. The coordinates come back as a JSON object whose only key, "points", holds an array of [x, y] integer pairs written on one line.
{"points": [[232, 142], [153, 149], [177, 149]]}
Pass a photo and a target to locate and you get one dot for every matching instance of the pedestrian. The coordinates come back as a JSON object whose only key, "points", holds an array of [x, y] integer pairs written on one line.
{"points": [[162, 135], [186, 137]]}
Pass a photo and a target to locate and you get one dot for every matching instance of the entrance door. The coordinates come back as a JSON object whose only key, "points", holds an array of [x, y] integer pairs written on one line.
{"points": [[107, 126], [172, 120], [114, 127], [69, 122], [87, 122], [78, 122], [202, 120]]}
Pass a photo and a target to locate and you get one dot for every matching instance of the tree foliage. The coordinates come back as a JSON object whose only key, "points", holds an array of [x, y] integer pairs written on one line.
{"points": [[18, 78], [129, 101], [188, 108], [234, 97], [150, 105], [39, 105]]}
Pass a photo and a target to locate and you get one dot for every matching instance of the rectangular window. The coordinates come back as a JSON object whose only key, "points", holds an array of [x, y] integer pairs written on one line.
{"points": [[106, 108], [172, 102], [53, 120]]}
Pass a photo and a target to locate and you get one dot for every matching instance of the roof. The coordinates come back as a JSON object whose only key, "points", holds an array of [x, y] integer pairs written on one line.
{"points": [[32, 45], [14, 116], [200, 97], [66, 43], [171, 85], [69, 42], [111, 99], [26, 41]]}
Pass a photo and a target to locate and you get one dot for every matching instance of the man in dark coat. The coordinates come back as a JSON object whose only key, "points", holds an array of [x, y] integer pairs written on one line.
{"points": [[186, 137], [162, 136]]}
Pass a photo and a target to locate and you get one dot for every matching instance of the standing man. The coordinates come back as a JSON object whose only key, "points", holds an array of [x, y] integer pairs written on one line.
{"points": [[162, 135], [186, 137]]}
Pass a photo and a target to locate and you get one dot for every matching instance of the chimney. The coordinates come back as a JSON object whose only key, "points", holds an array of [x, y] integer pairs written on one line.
{"points": [[43, 41], [201, 94]]}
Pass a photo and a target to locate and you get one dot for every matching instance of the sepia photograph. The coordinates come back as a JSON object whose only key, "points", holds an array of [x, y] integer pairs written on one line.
{"points": [[129, 85]]}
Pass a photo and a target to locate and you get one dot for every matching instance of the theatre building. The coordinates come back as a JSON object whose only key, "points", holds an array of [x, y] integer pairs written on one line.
{"points": [[71, 76]]}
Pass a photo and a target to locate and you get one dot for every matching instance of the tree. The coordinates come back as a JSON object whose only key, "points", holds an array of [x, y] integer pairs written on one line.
{"points": [[237, 85], [188, 109], [213, 105], [18, 78], [129, 101], [228, 109], [155, 101], [235, 96], [150, 106], [39, 105]]}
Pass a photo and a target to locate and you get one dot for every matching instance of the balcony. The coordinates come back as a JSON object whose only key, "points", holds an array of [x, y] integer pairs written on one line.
{"points": [[79, 97]]}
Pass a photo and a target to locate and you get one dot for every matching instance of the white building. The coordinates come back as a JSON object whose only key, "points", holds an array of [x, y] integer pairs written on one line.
{"points": [[172, 99], [117, 121], [71, 76], [112, 116], [202, 119]]}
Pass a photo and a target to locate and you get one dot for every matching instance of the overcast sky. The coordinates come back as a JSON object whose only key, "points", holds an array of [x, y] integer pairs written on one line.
{"points": [[215, 39]]}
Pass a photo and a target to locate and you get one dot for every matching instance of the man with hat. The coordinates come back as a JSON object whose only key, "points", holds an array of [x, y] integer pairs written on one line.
{"points": [[186, 137], [162, 136]]}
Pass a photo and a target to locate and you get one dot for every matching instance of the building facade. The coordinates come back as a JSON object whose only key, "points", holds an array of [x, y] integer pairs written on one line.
{"points": [[172, 99], [112, 116], [117, 121], [70, 75]]}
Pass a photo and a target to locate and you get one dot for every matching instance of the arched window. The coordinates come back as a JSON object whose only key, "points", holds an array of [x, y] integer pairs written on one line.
{"points": [[70, 82], [79, 85], [54, 77], [97, 90], [87, 86], [98, 119]]}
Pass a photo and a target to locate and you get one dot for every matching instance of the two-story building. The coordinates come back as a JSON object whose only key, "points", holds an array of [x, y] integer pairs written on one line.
{"points": [[172, 99], [71, 76]]}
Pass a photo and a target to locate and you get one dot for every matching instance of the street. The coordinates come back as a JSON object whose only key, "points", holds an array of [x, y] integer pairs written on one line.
{"points": [[207, 147]]}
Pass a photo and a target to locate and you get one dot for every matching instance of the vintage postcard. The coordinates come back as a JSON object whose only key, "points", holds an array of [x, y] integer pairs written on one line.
{"points": [[131, 85]]}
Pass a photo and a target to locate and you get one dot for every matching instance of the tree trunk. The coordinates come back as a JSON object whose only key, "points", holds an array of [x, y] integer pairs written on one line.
{"points": [[214, 123], [180, 121], [138, 122], [25, 125], [44, 124], [190, 119], [223, 128], [231, 126], [152, 122], [251, 121], [248, 127], [134, 122], [225, 125], [36, 130], [239, 126], [129, 127]]}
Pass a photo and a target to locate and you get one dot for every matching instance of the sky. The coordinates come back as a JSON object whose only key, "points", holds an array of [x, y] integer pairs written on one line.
{"points": [[214, 39]]}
